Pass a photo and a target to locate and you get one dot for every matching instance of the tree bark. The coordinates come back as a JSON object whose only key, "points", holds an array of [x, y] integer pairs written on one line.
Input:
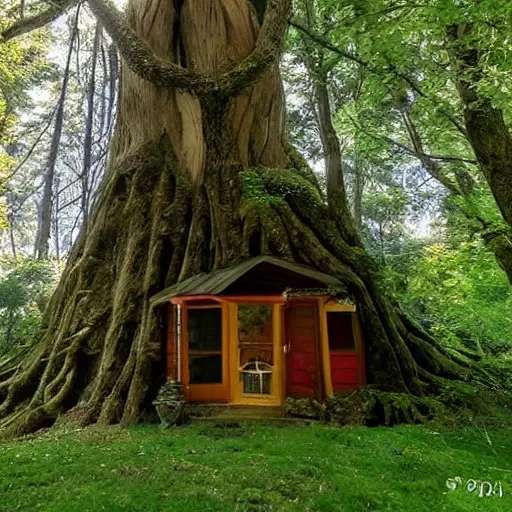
{"points": [[112, 86], [174, 202], [358, 189], [335, 185], [485, 124], [42, 244], [359, 181]]}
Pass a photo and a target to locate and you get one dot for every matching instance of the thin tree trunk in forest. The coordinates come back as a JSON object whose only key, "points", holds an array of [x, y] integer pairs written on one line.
{"points": [[358, 168], [56, 226], [112, 85], [485, 124], [335, 184], [336, 193], [42, 244], [358, 188], [91, 91], [498, 240], [194, 123], [10, 220]]}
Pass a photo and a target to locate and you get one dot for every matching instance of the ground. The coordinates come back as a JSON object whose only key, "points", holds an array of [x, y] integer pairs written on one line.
{"points": [[207, 467]]}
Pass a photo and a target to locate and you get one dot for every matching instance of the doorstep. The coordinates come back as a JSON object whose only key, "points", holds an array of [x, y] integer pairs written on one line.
{"points": [[229, 413]]}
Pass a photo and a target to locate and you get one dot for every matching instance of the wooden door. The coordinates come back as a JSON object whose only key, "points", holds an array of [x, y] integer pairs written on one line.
{"points": [[256, 336], [205, 354], [301, 338]]}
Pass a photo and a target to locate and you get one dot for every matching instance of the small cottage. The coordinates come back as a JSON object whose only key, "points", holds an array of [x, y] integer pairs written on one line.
{"points": [[260, 331]]}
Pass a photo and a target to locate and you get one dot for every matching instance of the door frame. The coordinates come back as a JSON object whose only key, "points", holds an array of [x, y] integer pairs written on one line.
{"points": [[205, 392], [238, 397]]}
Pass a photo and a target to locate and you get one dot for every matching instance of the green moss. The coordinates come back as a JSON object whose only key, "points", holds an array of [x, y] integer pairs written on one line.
{"points": [[267, 192], [253, 188], [457, 403], [268, 186], [369, 406], [308, 292], [297, 161]]}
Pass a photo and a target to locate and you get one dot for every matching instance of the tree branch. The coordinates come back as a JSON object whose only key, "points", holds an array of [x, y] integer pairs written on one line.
{"points": [[69, 203], [36, 21], [28, 154], [267, 51], [367, 65], [413, 152], [428, 161], [141, 59], [328, 45]]}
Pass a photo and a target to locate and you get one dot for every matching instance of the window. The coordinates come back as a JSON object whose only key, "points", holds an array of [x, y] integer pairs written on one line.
{"points": [[340, 330], [205, 345], [256, 348]]}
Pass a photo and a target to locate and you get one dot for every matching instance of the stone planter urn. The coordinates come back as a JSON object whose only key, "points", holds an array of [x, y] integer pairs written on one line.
{"points": [[170, 403]]}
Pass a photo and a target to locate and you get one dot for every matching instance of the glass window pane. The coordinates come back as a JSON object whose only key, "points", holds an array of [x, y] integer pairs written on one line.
{"points": [[256, 383], [205, 369], [205, 329], [255, 336], [339, 329]]}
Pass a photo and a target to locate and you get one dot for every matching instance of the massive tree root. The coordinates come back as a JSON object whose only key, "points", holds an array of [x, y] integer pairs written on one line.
{"points": [[193, 184]]}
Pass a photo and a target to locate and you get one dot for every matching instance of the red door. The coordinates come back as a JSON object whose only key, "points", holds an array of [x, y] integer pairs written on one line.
{"points": [[301, 335]]}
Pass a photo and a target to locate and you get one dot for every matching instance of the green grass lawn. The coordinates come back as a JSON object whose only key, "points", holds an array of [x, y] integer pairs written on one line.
{"points": [[204, 467]]}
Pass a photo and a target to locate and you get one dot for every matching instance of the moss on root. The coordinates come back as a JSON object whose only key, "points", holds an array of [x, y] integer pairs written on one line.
{"points": [[457, 403], [369, 406]]}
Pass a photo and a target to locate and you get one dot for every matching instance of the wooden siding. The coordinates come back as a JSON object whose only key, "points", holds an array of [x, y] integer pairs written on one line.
{"points": [[344, 370], [347, 366]]}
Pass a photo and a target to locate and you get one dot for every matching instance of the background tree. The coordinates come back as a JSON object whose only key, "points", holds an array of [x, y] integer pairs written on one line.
{"points": [[24, 291], [411, 76], [42, 245], [74, 181]]}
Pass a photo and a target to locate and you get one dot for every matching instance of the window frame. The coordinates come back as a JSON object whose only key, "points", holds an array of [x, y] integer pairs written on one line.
{"points": [[192, 353], [355, 340]]}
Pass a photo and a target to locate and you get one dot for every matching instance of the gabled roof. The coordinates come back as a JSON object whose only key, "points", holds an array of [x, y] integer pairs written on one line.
{"points": [[217, 281]]}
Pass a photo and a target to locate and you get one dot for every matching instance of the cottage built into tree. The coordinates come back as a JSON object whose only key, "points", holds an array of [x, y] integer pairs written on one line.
{"points": [[260, 331]]}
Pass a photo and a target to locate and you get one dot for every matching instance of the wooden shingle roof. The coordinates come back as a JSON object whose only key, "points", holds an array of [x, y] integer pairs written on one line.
{"points": [[219, 280]]}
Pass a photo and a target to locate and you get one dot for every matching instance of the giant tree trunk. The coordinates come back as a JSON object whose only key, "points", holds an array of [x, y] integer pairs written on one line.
{"points": [[192, 185]]}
